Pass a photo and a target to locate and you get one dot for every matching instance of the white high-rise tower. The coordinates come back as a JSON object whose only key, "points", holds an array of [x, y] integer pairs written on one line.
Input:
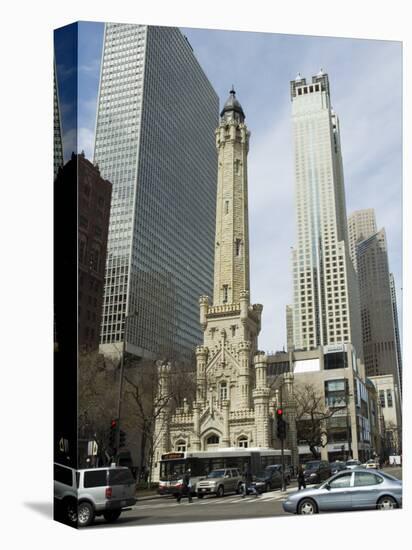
{"points": [[326, 302]]}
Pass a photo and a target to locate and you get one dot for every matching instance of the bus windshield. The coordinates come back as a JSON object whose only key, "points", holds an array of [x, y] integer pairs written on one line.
{"points": [[172, 469]]}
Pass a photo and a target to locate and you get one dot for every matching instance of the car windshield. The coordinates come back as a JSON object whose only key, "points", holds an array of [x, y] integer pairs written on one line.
{"points": [[263, 474], [216, 473], [311, 465], [351, 462]]}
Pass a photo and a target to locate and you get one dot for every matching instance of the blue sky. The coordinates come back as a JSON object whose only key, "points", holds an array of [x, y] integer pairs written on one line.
{"points": [[366, 92]]}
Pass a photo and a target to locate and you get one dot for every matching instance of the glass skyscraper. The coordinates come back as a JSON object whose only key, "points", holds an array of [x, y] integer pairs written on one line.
{"points": [[57, 131], [379, 316], [155, 141], [326, 300]]}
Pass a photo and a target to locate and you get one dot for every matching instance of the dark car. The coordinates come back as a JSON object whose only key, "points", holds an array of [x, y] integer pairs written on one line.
{"points": [[278, 467], [337, 466], [268, 479], [316, 471]]}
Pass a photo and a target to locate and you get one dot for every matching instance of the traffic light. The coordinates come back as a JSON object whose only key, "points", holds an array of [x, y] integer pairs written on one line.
{"points": [[122, 439], [280, 424], [112, 434]]}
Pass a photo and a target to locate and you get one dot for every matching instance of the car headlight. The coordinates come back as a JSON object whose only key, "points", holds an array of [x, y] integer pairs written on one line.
{"points": [[313, 475]]}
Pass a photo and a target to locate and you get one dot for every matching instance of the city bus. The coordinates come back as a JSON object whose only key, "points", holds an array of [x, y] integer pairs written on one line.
{"points": [[174, 464]]}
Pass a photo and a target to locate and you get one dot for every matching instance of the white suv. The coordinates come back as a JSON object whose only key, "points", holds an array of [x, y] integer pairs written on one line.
{"points": [[81, 495]]}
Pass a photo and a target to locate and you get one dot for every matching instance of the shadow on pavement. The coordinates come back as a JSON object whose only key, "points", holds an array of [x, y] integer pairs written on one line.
{"points": [[42, 508]]}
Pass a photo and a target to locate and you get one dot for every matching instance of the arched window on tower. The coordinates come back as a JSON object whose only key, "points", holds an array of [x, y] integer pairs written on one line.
{"points": [[223, 390], [180, 446], [212, 439], [242, 441]]}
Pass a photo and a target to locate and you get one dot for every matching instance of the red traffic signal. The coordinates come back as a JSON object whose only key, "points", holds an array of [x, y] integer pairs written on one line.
{"points": [[279, 412], [113, 425]]}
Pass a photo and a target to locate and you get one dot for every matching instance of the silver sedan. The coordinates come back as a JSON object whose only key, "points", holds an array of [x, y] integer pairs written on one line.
{"points": [[349, 490]]}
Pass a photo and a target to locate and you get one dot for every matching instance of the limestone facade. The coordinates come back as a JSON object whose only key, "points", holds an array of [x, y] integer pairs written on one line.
{"points": [[233, 406]]}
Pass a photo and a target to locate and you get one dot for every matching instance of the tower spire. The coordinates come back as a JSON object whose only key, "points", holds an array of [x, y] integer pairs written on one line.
{"points": [[231, 275]]}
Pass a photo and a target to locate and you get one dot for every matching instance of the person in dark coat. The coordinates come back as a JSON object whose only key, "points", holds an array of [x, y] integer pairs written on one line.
{"points": [[301, 478], [186, 487], [248, 484]]}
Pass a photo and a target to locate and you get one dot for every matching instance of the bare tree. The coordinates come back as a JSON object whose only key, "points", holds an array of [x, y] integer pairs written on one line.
{"points": [[97, 398], [144, 404], [311, 417]]}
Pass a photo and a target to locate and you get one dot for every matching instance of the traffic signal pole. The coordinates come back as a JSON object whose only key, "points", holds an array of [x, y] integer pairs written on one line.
{"points": [[282, 455], [281, 434]]}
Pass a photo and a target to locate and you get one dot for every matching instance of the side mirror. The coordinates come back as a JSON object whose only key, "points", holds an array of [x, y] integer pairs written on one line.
{"points": [[327, 487]]}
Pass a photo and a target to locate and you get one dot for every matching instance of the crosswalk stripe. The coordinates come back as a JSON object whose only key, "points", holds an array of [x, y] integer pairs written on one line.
{"points": [[265, 497]]}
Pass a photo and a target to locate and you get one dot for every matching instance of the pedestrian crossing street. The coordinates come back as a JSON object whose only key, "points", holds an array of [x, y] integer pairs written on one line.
{"points": [[212, 501]]}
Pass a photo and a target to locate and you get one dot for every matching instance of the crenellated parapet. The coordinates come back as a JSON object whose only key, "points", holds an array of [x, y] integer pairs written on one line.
{"points": [[181, 418], [242, 415], [223, 310]]}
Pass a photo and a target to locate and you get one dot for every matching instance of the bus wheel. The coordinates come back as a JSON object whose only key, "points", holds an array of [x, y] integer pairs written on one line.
{"points": [[220, 491]]}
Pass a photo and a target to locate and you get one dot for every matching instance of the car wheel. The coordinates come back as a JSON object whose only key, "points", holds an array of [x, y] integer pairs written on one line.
{"points": [[70, 513], [112, 515], [267, 487], [307, 507], [199, 495], [85, 514], [387, 503], [220, 491]]}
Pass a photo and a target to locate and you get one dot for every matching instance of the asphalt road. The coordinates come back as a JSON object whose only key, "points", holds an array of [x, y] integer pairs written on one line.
{"points": [[163, 510], [210, 508]]}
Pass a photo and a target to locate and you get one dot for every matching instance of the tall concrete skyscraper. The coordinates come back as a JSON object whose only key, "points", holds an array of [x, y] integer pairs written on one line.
{"points": [[155, 142], [326, 302], [380, 331]]}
